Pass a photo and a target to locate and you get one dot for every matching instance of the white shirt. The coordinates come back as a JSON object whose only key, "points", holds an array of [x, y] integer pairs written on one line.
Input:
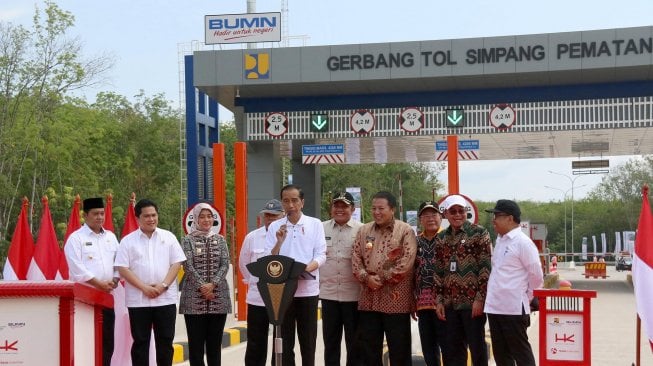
{"points": [[253, 248], [304, 243], [337, 281], [90, 255], [150, 260], [516, 272]]}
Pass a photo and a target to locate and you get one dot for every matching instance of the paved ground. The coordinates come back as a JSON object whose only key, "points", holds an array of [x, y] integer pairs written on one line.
{"points": [[613, 324]]}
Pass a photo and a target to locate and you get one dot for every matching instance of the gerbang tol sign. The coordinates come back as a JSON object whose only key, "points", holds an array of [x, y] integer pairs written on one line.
{"points": [[242, 28]]}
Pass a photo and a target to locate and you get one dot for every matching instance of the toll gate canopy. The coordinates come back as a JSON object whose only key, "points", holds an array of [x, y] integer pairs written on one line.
{"points": [[578, 94]]}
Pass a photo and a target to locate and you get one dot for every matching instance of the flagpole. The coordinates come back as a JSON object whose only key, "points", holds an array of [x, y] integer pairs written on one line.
{"points": [[638, 339]]}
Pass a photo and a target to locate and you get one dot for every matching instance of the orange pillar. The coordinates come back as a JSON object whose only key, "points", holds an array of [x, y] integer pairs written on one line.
{"points": [[219, 185], [240, 180], [452, 164]]}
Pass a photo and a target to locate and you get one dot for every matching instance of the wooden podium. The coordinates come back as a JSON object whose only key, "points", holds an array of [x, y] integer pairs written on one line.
{"points": [[51, 323]]}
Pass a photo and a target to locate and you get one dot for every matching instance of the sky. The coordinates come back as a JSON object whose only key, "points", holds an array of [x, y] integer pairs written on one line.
{"points": [[147, 39]]}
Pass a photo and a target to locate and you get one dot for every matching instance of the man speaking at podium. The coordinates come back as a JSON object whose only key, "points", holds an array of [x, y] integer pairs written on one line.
{"points": [[300, 237]]}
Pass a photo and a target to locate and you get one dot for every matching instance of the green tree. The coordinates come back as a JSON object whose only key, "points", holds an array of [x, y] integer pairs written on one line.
{"points": [[418, 182], [38, 67]]}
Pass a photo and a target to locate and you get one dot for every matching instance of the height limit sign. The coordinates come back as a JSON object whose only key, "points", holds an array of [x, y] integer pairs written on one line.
{"points": [[411, 119]]}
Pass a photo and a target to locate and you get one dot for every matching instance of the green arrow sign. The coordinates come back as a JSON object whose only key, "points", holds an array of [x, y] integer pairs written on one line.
{"points": [[455, 117], [319, 122]]}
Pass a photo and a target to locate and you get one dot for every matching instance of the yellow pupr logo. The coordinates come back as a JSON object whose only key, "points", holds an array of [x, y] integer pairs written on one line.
{"points": [[257, 66]]}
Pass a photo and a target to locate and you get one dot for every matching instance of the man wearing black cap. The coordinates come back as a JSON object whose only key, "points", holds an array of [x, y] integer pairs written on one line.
{"points": [[339, 289], [431, 328], [90, 252], [516, 272], [258, 323]]}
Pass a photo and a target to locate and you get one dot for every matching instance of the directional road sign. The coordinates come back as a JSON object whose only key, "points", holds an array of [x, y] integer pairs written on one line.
{"points": [[362, 121], [411, 119], [319, 122], [455, 117]]}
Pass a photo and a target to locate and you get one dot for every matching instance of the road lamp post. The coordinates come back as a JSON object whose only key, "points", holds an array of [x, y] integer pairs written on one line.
{"points": [[572, 181], [564, 197]]}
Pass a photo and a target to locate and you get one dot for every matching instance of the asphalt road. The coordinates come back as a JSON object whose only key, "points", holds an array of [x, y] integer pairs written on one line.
{"points": [[613, 322]]}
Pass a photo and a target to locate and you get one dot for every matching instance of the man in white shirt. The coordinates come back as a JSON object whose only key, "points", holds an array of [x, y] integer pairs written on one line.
{"points": [[300, 237], [339, 289], [516, 272], [149, 259], [90, 252], [258, 323]]}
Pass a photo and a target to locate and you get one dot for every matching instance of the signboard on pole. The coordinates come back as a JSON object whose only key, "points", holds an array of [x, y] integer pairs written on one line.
{"points": [[323, 154], [217, 219], [242, 28], [467, 150], [470, 208], [358, 202]]}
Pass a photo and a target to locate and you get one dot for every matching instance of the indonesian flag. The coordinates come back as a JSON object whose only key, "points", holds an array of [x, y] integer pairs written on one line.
{"points": [[21, 248], [73, 224], [47, 254], [643, 266], [108, 214], [130, 218]]}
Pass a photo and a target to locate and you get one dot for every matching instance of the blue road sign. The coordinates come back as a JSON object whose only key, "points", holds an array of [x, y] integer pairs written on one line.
{"points": [[462, 145], [323, 149]]}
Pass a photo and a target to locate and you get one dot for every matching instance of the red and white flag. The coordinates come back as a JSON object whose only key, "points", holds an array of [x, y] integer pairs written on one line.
{"points": [[108, 214], [131, 224], [643, 267], [47, 254], [21, 248], [74, 223]]}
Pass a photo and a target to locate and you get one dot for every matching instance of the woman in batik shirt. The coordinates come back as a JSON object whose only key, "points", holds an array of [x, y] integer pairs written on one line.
{"points": [[205, 300]]}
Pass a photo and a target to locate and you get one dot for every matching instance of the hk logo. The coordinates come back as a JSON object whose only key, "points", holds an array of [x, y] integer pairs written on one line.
{"points": [[257, 66], [9, 346]]}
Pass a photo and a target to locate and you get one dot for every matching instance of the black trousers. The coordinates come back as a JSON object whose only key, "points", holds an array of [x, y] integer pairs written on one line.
{"points": [[302, 315], [258, 328], [336, 316], [432, 334], [108, 323], [462, 331], [396, 327], [510, 341], [142, 321], [205, 334]]}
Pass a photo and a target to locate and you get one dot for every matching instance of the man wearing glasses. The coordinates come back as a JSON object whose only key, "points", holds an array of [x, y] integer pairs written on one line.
{"points": [[463, 253], [516, 272]]}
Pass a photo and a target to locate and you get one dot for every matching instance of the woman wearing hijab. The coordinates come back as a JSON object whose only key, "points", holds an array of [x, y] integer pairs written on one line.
{"points": [[205, 300]]}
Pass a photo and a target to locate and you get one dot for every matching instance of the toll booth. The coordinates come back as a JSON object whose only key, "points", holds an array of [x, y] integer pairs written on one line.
{"points": [[565, 327], [51, 323]]}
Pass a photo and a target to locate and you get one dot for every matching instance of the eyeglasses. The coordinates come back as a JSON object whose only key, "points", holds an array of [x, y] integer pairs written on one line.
{"points": [[497, 215], [456, 212]]}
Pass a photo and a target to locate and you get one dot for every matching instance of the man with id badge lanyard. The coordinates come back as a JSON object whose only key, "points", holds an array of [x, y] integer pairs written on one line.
{"points": [[300, 237], [463, 262]]}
